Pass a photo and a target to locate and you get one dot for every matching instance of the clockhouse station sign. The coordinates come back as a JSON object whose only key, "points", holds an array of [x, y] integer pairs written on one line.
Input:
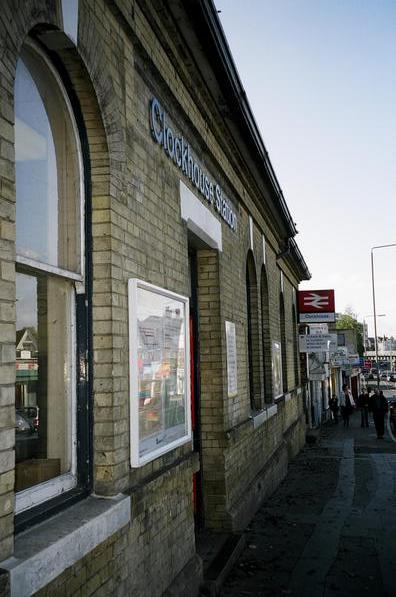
{"points": [[316, 306], [179, 151]]}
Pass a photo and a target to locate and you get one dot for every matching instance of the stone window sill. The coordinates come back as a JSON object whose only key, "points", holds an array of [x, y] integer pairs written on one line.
{"points": [[263, 416], [44, 551]]}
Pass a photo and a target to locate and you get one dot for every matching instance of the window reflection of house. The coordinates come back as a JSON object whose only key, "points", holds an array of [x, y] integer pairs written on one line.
{"points": [[161, 372], [26, 367]]}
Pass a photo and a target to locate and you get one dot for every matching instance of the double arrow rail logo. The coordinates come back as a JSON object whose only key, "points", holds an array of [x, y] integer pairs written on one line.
{"points": [[316, 300]]}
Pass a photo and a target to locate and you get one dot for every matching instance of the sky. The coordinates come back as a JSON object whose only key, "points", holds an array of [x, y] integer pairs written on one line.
{"points": [[320, 76]]}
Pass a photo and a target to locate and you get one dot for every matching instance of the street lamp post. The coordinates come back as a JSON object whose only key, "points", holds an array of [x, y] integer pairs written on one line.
{"points": [[374, 311], [365, 339]]}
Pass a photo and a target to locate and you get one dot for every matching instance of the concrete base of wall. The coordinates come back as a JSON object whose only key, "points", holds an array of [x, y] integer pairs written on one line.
{"points": [[263, 485], [188, 581], [295, 437], [4, 583], [270, 476]]}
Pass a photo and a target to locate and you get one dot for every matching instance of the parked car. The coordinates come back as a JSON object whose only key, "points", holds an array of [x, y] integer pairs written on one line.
{"points": [[31, 413], [391, 376], [23, 426]]}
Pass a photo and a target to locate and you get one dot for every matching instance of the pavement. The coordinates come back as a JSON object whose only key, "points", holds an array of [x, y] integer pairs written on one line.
{"points": [[330, 528]]}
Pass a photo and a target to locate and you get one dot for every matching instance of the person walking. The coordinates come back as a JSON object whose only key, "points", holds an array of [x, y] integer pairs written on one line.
{"points": [[378, 406], [363, 403], [347, 404], [333, 403]]}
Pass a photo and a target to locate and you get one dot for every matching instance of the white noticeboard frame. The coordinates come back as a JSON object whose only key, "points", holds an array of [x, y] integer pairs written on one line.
{"points": [[277, 378], [232, 375], [159, 371]]}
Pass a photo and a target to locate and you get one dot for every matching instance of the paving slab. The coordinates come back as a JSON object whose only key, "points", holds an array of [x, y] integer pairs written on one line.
{"points": [[330, 528]]}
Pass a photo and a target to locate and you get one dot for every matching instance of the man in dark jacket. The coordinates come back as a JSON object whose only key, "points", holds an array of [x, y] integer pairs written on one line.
{"points": [[363, 403], [378, 406]]}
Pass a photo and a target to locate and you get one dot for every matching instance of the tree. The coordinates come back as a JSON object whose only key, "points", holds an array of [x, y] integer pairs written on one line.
{"points": [[347, 321]]}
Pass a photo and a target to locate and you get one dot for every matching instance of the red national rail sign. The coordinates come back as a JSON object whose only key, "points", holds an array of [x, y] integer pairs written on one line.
{"points": [[315, 306]]}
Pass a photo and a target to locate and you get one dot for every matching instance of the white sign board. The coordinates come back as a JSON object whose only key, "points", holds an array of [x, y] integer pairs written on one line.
{"points": [[318, 343], [340, 357], [316, 317], [277, 382], [231, 359], [318, 328]]}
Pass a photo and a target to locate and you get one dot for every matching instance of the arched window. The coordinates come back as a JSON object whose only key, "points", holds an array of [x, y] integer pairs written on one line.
{"points": [[50, 271], [296, 353], [283, 341], [266, 337], [253, 334]]}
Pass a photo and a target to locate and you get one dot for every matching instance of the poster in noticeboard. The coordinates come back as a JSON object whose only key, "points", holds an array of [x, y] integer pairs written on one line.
{"points": [[277, 369], [232, 378], [159, 355]]}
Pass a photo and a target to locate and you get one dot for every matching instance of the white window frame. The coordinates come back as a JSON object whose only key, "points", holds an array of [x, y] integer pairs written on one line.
{"points": [[136, 459], [37, 494], [39, 265], [42, 492]]}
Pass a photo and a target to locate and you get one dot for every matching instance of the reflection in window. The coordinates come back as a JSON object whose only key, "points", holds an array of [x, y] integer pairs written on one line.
{"points": [[48, 231], [47, 178], [42, 393], [161, 371]]}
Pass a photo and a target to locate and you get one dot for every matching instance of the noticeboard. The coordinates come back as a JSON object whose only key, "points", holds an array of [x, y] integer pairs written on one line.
{"points": [[277, 380], [232, 378], [159, 355]]}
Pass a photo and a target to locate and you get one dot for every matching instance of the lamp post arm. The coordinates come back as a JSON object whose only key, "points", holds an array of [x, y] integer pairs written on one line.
{"points": [[382, 247], [375, 316]]}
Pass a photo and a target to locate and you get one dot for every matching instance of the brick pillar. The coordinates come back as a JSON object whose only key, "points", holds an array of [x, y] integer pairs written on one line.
{"points": [[211, 388], [111, 431], [7, 317]]}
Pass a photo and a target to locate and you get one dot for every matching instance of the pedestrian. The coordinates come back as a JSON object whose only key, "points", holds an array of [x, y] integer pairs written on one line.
{"points": [[347, 404], [378, 406], [363, 403], [333, 403]]}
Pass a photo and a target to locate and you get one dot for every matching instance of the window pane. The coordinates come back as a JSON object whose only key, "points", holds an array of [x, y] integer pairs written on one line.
{"points": [[161, 371], [43, 379], [47, 170]]}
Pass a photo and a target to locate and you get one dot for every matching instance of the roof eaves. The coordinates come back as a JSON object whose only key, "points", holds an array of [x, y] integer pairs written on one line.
{"points": [[242, 104]]}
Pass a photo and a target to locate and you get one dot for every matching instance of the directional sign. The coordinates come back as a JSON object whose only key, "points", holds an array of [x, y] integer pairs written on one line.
{"points": [[316, 306], [318, 328], [318, 343]]}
